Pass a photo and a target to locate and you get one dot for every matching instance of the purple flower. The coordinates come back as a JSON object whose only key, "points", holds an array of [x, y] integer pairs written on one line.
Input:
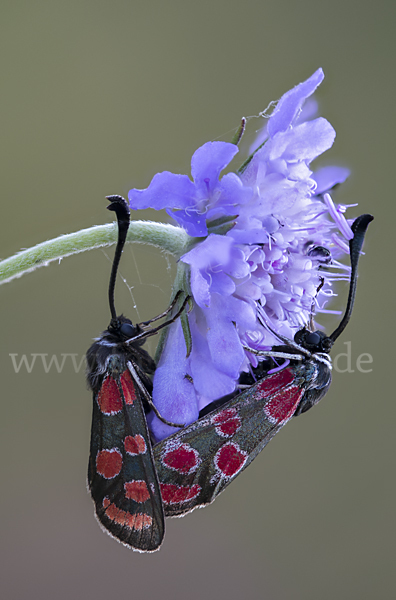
{"points": [[285, 227], [193, 204]]}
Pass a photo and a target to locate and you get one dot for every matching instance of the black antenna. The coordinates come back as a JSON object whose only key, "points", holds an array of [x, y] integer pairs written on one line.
{"points": [[359, 228], [120, 207]]}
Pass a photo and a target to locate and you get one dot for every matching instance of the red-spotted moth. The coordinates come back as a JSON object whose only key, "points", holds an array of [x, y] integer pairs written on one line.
{"points": [[121, 473], [195, 464]]}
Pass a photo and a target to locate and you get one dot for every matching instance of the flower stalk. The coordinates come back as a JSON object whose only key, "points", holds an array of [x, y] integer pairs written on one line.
{"points": [[168, 238]]}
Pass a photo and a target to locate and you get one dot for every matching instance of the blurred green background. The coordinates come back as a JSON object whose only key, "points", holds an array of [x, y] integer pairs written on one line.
{"points": [[96, 98]]}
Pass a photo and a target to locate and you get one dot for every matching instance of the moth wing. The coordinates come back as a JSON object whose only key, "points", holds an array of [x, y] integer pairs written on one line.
{"points": [[197, 463], [121, 475]]}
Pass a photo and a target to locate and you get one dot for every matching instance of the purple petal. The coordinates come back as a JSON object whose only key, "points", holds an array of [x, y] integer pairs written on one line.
{"points": [[249, 236], [327, 177], [200, 288], [304, 142], [165, 190], [309, 111], [192, 221], [250, 289], [224, 344], [238, 311], [233, 192], [238, 267], [225, 347], [208, 162], [222, 284], [228, 318], [212, 252], [291, 102], [208, 381], [173, 393]]}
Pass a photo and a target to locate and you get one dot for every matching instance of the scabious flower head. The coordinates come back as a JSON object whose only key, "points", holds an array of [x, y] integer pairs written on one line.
{"points": [[285, 226]]}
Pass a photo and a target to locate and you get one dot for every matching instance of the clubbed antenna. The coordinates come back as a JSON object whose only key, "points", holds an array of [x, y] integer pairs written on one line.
{"points": [[119, 205], [359, 228]]}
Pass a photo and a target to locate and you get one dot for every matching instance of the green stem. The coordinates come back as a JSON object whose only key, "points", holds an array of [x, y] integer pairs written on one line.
{"points": [[167, 237]]}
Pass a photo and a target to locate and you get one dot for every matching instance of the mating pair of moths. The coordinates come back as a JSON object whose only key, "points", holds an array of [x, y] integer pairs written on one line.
{"points": [[135, 486]]}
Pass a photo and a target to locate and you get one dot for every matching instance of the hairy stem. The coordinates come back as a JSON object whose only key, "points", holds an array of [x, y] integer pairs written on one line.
{"points": [[167, 237]]}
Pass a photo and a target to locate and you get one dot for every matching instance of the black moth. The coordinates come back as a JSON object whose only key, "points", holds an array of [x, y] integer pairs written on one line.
{"points": [[121, 475]]}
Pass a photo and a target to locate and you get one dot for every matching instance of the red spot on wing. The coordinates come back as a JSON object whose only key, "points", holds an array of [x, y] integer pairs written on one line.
{"points": [[227, 422], [120, 517], [112, 511], [128, 387], [141, 521], [109, 463], [109, 398], [136, 490], [224, 415], [137, 521], [130, 520], [147, 521], [270, 385], [229, 428], [182, 459], [177, 494], [282, 406], [229, 459], [135, 444]]}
